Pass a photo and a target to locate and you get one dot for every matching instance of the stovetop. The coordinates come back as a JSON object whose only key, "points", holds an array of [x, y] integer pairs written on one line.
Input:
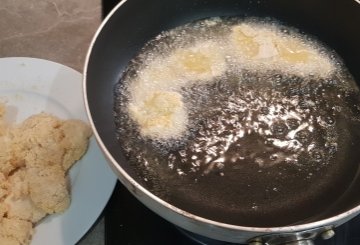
{"points": [[129, 222]]}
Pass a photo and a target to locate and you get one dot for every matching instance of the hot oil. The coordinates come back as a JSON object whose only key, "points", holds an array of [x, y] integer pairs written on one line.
{"points": [[261, 144]]}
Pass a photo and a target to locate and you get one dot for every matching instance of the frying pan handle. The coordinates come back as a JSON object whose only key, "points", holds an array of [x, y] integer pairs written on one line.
{"points": [[306, 237]]}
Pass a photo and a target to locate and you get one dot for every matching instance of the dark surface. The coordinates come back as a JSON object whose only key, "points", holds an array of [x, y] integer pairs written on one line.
{"points": [[128, 222]]}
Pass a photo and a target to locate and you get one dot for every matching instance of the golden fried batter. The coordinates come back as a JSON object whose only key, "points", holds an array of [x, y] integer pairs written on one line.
{"points": [[15, 231], [34, 160], [160, 115]]}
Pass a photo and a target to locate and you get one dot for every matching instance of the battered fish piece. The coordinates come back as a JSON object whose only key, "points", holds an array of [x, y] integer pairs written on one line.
{"points": [[75, 141], [15, 231], [293, 50], [201, 62], [8, 240], [49, 147], [38, 135], [6, 163], [18, 203], [23, 208], [161, 115], [252, 44], [157, 75], [34, 160], [245, 42], [3, 125], [48, 188], [156, 107], [3, 187], [298, 56], [3, 193], [265, 47]]}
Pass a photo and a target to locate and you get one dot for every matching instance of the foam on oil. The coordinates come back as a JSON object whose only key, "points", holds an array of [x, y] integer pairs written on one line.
{"points": [[265, 130]]}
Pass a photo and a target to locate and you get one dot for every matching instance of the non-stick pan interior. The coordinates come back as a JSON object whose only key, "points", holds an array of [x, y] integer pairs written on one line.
{"points": [[137, 21]]}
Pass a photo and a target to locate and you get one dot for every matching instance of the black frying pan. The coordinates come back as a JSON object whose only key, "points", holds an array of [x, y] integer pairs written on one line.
{"points": [[334, 22]]}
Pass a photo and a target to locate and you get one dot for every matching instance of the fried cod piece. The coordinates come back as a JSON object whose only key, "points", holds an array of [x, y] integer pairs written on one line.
{"points": [[75, 141], [8, 240], [295, 54], [160, 115], [23, 208], [6, 163], [3, 125], [293, 50], [266, 47], [50, 146], [39, 135], [18, 202], [245, 43], [3, 186], [48, 188], [201, 62], [3, 193], [15, 231], [158, 75], [35, 157]]}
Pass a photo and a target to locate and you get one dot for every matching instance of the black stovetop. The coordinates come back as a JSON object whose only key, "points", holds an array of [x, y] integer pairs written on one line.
{"points": [[128, 222]]}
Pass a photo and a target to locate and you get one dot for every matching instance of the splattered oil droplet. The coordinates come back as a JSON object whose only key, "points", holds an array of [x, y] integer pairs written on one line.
{"points": [[317, 155], [292, 123], [304, 136], [329, 120], [279, 129]]}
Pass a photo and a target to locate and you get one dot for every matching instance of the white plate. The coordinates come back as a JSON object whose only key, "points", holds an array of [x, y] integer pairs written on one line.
{"points": [[30, 86]]}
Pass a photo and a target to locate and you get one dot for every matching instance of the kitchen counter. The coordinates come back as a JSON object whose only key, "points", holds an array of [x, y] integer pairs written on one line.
{"points": [[56, 30]]}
